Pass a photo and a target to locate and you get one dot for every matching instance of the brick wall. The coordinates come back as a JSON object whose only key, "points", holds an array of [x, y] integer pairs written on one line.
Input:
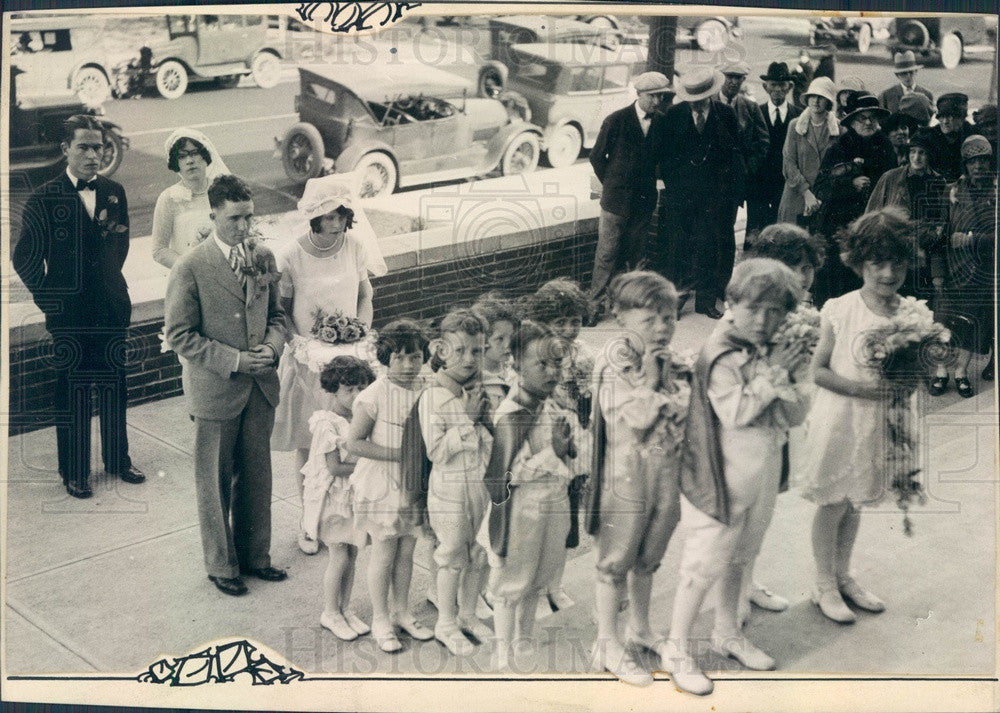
{"points": [[418, 292]]}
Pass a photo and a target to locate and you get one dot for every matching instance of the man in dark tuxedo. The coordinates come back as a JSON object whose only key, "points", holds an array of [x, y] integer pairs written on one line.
{"points": [[625, 165], [73, 243], [224, 321], [701, 164], [766, 186]]}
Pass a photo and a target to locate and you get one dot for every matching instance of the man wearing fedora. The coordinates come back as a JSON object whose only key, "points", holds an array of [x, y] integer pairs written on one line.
{"points": [[905, 66], [625, 164], [703, 172], [947, 136], [765, 188]]}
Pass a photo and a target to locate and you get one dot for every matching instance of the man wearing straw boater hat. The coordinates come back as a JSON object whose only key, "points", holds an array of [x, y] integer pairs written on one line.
{"points": [[702, 169], [625, 165], [765, 188], [905, 66]]}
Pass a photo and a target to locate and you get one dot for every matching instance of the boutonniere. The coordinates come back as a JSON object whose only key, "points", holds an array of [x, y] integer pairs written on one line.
{"points": [[261, 266], [107, 224], [859, 161]]}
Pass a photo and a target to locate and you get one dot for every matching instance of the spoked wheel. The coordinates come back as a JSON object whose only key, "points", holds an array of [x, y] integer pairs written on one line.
{"points": [[377, 175], [521, 155], [302, 152]]}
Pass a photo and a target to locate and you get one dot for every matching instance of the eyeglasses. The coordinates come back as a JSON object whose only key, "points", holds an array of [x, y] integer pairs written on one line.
{"points": [[867, 118], [181, 155]]}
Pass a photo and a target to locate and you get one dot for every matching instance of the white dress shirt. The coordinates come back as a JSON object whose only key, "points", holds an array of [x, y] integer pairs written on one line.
{"points": [[87, 195], [644, 122], [781, 109]]}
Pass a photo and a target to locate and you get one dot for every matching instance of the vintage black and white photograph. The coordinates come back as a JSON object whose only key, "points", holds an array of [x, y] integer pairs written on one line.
{"points": [[529, 356]]}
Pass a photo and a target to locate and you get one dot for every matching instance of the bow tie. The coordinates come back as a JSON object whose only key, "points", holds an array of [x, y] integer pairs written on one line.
{"points": [[648, 116], [82, 185]]}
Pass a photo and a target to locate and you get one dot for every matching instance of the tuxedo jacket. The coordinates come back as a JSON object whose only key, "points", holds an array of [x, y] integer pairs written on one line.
{"points": [[694, 166], [889, 99], [770, 180], [209, 320], [72, 263], [625, 163]]}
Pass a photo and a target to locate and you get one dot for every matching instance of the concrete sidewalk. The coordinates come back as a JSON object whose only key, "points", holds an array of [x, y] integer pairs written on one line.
{"points": [[113, 583]]}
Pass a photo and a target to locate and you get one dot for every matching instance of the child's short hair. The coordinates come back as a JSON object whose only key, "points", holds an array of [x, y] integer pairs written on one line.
{"points": [[494, 307], [880, 236], [642, 289], [526, 334], [401, 335], [760, 278], [345, 371], [556, 299], [463, 321], [790, 244]]}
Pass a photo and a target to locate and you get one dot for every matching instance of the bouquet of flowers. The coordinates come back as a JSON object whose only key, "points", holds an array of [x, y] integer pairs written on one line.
{"points": [[800, 326], [337, 328], [899, 351]]}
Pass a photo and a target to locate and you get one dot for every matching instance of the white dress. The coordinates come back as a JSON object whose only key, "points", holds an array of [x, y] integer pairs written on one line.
{"points": [[379, 501], [330, 283], [843, 452]]}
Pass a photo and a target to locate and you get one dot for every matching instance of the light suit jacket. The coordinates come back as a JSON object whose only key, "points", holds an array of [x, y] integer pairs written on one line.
{"points": [[209, 321]]}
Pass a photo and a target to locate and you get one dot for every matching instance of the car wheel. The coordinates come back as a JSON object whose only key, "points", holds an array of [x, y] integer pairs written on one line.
{"points": [[711, 36], [516, 105], [228, 81], [171, 79], [864, 38], [266, 70], [914, 35], [490, 82], [564, 146], [114, 152], [951, 51], [521, 155], [302, 152], [92, 86], [376, 174]]}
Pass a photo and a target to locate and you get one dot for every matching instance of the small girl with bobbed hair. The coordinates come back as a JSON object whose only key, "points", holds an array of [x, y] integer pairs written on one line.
{"points": [[842, 469], [381, 503], [327, 511]]}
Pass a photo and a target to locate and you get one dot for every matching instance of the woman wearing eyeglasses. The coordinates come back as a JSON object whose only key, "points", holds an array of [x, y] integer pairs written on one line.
{"points": [[181, 216], [849, 171]]}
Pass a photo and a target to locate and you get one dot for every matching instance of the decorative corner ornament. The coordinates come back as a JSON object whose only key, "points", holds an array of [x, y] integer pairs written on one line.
{"points": [[353, 17]]}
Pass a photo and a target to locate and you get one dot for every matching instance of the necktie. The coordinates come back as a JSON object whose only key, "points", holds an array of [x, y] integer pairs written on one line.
{"points": [[237, 260], [82, 185], [777, 116], [699, 120]]}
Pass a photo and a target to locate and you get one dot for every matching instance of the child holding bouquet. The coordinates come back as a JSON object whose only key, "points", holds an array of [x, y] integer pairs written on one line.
{"points": [[501, 317], [849, 451], [327, 511]]}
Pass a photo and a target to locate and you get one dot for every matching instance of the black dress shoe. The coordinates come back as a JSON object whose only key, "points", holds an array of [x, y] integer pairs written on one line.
{"points": [[964, 388], [937, 386], [233, 586], [268, 574], [79, 491], [709, 312], [132, 475]]}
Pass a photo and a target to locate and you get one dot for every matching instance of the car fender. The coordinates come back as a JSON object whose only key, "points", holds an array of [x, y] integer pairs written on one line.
{"points": [[263, 48], [344, 163], [499, 142], [87, 62], [498, 66]]}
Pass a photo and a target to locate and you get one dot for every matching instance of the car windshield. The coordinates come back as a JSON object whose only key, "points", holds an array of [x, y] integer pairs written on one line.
{"points": [[541, 74]]}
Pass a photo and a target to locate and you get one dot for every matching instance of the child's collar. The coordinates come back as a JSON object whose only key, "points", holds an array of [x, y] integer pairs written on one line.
{"points": [[447, 382]]}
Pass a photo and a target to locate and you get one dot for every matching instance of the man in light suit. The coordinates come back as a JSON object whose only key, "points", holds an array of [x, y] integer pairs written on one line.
{"points": [[224, 321], [625, 163], [74, 239]]}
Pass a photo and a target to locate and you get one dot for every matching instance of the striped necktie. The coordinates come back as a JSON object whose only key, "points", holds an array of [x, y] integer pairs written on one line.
{"points": [[237, 261]]}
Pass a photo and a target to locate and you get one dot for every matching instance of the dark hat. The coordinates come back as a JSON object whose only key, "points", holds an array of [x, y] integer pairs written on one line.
{"points": [[954, 104], [985, 115], [859, 102], [922, 139], [918, 106], [900, 119], [777, 72]]}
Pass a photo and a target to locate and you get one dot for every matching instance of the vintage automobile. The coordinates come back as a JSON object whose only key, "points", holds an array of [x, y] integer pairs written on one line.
{"points": [[710, 34], [36, 124], [59, 55], [944, 38], [393, 128], [570, 88], [221, 48], [859, 33]]}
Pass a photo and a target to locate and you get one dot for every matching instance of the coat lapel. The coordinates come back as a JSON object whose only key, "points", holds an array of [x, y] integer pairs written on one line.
{"points": [[70, 187], [221, 271]]}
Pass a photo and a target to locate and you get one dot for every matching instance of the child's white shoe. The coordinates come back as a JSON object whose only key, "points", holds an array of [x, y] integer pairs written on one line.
{"points": [[307, 544], [646, 640], [743, 650], [620, 664], [356, 623], [766, 599], [408, 623], [560, 600], [832, 605], [543, 608], [683, 669], [338, 626], [472, 625], [861, 597], [385, 637], [454, 640]]}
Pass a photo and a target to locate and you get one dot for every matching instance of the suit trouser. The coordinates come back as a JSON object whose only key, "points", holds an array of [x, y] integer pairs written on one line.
{"points": [[762, 212], [82, 360], [233, 485], [705, 246], [620, 241]]}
